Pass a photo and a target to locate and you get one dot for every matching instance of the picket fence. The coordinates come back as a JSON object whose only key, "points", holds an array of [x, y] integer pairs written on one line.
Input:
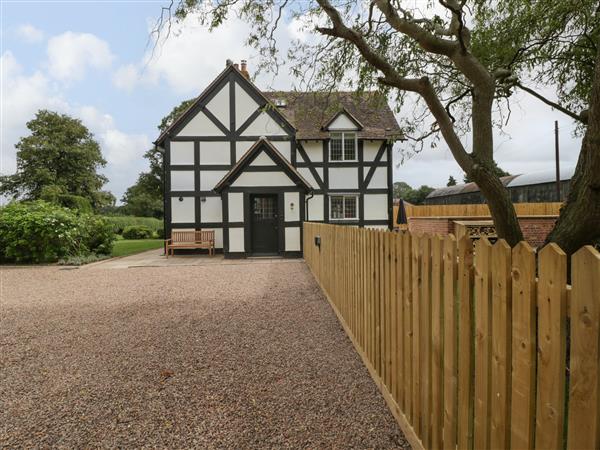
{"points": [[471, 347]]}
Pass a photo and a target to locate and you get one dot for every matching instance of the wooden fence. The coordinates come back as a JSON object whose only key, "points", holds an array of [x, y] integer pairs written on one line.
{"points": [[469, 349], [477, 210]]}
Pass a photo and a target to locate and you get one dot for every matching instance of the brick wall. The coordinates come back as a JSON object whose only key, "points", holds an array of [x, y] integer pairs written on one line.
{"points": [[535, 228]]}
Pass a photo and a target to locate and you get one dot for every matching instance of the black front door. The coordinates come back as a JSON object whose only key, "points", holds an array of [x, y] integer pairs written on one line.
{"points": [[264, 226]]}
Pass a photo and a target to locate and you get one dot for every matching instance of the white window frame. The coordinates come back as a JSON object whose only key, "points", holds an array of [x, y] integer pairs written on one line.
{"points": [[343, 132], [344, 195]]}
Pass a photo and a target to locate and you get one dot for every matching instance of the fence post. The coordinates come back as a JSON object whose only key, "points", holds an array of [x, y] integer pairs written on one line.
{"points": [[584, 400], [450, 340]]}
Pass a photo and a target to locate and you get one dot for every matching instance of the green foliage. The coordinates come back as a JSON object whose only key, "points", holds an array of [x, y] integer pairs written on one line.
{"points": [[160, 233], [82, 260], [59, 157], [43, 232], [451, 181], [405, 192], [119, 223], [137, 232]]}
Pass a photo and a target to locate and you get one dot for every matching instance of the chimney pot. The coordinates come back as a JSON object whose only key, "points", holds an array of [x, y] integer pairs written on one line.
{"points": [[244, 69], [236, 66]]}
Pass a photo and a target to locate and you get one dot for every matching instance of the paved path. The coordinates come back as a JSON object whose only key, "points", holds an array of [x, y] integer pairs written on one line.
{"points": [[220, 355]]}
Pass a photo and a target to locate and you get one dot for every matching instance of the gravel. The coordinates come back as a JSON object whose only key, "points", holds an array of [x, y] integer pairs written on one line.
{"points": [[225, 356]]}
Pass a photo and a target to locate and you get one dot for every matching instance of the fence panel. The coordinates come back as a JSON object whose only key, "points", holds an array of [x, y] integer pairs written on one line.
{"points": [[449, 333]]}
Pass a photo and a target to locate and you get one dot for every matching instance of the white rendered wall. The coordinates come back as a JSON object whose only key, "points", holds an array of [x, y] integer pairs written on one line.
{"points": [[200, 125], [343, 177], [182, 152], [292, 239], [252, 179], [182, 180], [262, 159], [183, 211], [291, 214], [242, 147], [264, 125], [305, 172], [219, 106], [214, 153], [376, 206], [283, 147], [211, 210], [370, 149], [315, 208], [218, 236], [244, 106], [342, 122], [236, 239], [314, 150], [379, 180], [209, 178], [235, 204]]}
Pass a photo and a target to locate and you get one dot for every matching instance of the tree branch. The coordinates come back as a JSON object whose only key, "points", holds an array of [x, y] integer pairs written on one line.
{"points": [[581, 117]]}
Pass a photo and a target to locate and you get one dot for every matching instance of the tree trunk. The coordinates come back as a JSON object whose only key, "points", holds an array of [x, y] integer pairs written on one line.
{"points": [[579, 220], [498, 200]]}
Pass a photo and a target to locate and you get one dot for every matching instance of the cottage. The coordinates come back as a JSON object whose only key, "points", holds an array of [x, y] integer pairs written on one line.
{"points": [[254, 165]]}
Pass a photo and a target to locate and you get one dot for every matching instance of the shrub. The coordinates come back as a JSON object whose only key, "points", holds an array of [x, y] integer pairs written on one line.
{"points": [[44, 232], [137, 232], [119, 223], [160, 233]]}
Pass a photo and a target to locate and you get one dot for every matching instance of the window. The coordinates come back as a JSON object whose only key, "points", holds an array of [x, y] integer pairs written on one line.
{"points": [[342, 146], [343, 207]]}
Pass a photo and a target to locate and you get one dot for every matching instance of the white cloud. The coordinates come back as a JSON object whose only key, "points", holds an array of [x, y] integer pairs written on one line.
{"points": [[30, 34], [126, 77], [23, 95], [71, 54]]}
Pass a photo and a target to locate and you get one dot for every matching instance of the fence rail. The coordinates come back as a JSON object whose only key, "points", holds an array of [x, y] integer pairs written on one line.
{"points": [[477, 210], [471, 347]]}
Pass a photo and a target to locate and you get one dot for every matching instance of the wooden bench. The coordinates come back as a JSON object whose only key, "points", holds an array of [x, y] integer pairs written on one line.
{"points": [[190, 239]]}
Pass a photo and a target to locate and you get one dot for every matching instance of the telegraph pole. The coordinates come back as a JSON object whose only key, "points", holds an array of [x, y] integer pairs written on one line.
{"points": [[556, 157]]}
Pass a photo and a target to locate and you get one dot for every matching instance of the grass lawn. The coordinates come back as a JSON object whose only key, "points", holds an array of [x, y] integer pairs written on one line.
{"points": [[126, 247]]}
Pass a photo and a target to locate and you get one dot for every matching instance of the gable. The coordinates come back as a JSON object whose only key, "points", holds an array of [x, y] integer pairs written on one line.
{"points": [[219, 106], [342, 122], [244, 105], [200, 125], [264, 125], [262, 159]]}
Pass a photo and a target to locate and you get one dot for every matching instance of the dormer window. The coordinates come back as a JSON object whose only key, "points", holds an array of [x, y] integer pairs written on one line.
{"points": [[342, 146]]}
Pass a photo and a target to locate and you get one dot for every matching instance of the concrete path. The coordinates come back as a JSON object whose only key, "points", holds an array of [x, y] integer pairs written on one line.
{"points": [[246, 354]]}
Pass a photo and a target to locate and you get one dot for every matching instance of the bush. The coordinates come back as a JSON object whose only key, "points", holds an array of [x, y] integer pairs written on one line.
{"points": [[119, 223], [160, 233], [44, 232], [137, 232]]}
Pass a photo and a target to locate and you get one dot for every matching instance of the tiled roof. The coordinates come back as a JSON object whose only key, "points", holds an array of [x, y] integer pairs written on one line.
{"points": [[308, 112]]}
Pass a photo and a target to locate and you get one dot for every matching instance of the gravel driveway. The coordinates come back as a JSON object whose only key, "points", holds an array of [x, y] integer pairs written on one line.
{"points": [[242, 355]]}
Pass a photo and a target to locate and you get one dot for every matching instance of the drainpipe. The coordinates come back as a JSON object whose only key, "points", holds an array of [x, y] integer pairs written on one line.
{"points": [[306, 205]]}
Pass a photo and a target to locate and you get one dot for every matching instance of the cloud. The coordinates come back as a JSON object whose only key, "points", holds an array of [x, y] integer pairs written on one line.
{"points": [[30, 34], [24, 94], [126, 77], [71, 54]]}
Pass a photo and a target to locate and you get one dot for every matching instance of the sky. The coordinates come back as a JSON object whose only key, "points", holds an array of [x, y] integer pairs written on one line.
{"points": [[91, 60]]}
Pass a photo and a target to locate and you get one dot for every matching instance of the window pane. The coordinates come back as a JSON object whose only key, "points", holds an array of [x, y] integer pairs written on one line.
{"points": [[336, 147], [349, 146], [350, 209], [337, 207]]}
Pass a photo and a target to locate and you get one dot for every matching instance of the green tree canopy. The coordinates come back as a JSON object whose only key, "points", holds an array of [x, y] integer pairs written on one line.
{"points": [[451, 181], [59, 159], [405, 192]]}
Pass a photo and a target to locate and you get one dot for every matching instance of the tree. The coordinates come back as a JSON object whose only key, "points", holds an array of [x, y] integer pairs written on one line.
{"points": [[145, 197], [414, 196], [451, 181], [495, 169], [456, 70], [59, 160]]}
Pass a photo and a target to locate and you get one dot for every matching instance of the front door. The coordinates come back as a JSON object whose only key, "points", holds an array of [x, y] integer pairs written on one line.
{"points": [[264, 224]]}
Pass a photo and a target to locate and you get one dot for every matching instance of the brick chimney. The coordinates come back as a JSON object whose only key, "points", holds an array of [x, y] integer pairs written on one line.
{"points": [[244, 69]]}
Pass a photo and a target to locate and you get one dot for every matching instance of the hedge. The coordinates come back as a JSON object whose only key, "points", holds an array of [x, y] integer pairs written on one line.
{"points": [[119, 223]]}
